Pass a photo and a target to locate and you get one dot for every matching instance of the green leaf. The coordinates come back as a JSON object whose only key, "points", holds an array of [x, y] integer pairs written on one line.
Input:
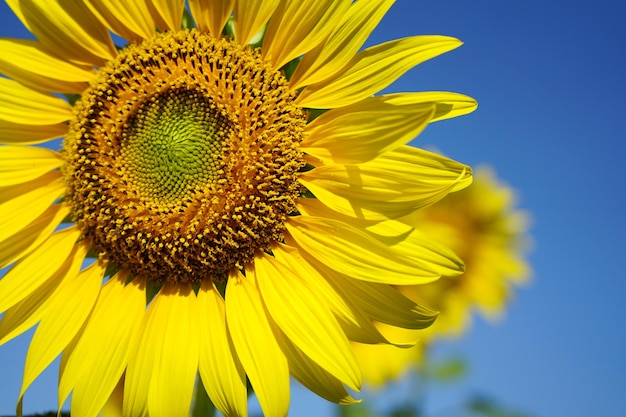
{"points": [[487, 407], [357, 410], [407, 410], [451, 369]]}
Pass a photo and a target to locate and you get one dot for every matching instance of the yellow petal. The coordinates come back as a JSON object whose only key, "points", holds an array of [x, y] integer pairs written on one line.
{"points": [[19, 164], [399, 235], [256, 345], [348, 37], [381, 364], [354, 322], [362, 131], [413, 243], [222, 374], [374, 69], [250, 18], [67, 29], [171, 344], [32, 308], [305, 319], [114, 405], [352, 252], [36, 268], [211, 15], [162, 370], [25, 61], [20, 205], [66, 311], [171, 11], [296, 27], [17, 133], [385, 304], [103, 346], [29, 311], [315, 378], [362, 329], [393, 185], [64, 388], [130, 19], [314, 280], [20, 104], [448, 105], [20, 244]]}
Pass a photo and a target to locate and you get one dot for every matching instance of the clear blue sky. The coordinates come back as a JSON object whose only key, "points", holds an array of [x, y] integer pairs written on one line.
{"points": [[550, 78]]}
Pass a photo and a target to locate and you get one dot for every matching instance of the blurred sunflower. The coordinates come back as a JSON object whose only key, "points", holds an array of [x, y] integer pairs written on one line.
{"points": [[483, 226], [224, 202]]}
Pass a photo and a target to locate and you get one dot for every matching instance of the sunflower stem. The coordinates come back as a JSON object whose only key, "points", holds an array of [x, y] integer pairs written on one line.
{"points": [[202, 405]]}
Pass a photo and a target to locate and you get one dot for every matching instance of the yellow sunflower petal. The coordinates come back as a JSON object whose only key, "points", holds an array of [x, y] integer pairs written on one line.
{"points": [[307, 322], [36, 268], [20, 104], [366, 332], [171, 11], [385, 304], [393, 185], [250, 17], [19, 206], [171, 319], [296, 27], [448, 105], [211, 15], [405, 239], [31, 309], [292, 257], [222, 374], [17, 133], [130, 19], [256, 345], [159, 356], [315, 378], [348, 37], [374, 69], [114, 405], [355, 324], [64, 388], [66, 311], [67, 29], [103, 346], [384, 363], [353, 253], [20, 244], [25, 61], [19, 164], [412, 242], [364, 130]]}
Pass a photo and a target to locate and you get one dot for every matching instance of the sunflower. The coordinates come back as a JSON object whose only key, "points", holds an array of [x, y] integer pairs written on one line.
{"points": [[224, 201], [483, 226]]}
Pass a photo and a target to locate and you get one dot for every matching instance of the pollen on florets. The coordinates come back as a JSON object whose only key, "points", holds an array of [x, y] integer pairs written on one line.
{"points": [[182, 158]]}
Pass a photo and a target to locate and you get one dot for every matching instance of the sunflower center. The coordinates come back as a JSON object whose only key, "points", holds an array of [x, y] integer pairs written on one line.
{"points": [[182, 159], [172, 145]]}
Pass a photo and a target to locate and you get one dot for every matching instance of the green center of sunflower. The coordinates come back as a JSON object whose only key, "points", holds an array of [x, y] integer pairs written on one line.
{"points": [[172, 145], [182, 159]]}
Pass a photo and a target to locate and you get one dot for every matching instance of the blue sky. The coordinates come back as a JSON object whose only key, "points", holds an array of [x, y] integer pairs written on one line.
{"points": [[549, 77]]}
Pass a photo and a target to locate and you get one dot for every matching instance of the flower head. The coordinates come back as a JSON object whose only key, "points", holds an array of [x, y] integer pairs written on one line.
{"points": [[483, 226], [224, 202]]}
